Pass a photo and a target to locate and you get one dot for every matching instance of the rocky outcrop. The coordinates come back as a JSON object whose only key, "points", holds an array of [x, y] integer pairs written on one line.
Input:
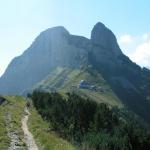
{"points": [[57, 47], [103, 37], [2, 100], [53, 47]]}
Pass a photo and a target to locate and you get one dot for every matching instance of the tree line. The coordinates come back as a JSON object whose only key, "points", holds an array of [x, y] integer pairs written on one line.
{"points": [[89, 125]]}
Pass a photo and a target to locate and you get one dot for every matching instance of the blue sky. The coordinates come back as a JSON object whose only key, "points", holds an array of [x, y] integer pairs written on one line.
{"points": [[22, 20]]}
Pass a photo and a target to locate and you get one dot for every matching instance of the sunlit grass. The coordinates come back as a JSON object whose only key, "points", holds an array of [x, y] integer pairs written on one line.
{"points": [[46, 139], [13, 106]]}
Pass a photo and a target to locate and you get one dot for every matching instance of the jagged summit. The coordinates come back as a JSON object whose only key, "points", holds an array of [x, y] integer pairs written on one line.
{"points": [[54, 33], [105, 38], [100, 25], [57, 48]]}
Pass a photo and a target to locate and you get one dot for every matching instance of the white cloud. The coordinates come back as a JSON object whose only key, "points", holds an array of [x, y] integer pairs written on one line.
{"points": [[142, 54], [137, 48], [145, 36], [125, 39]]}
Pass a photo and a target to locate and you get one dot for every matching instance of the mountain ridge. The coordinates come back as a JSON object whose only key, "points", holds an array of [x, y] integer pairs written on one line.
{"points": [[45, 45], [56, 47]]}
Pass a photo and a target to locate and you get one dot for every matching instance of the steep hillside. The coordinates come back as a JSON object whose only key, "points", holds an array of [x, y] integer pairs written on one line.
{"points": [[46, 139], [91, 126], [11, 128], [53, 47], [68, 80], [11, 134], [126, 83], [56, 47]]}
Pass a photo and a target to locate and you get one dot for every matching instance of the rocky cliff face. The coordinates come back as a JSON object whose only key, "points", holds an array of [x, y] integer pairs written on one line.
{"points": [[57, 47], [130, 82], [103, 37], [105, 50], [53, 47]]}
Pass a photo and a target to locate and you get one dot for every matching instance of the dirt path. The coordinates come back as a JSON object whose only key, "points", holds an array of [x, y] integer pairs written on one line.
{"points": [[15, 142], [29, 140]]}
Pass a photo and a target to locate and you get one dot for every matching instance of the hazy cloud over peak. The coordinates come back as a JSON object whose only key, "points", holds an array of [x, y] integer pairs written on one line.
{"points": [[136, 47]]}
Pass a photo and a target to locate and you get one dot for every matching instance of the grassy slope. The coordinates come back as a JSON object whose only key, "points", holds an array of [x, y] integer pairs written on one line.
{"points": [[14, 107], [46, 139], [64, 80]]}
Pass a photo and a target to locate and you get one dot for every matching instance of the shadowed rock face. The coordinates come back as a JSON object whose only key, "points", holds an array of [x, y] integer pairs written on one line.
{"points": [[53, 47], [57, 47], [105, 50], [104, 38]]}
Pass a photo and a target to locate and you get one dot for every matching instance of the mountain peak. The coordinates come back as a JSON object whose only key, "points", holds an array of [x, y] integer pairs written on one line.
{"points": [[100, 25], [58, 29], [104, 37], [54, 31]]}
